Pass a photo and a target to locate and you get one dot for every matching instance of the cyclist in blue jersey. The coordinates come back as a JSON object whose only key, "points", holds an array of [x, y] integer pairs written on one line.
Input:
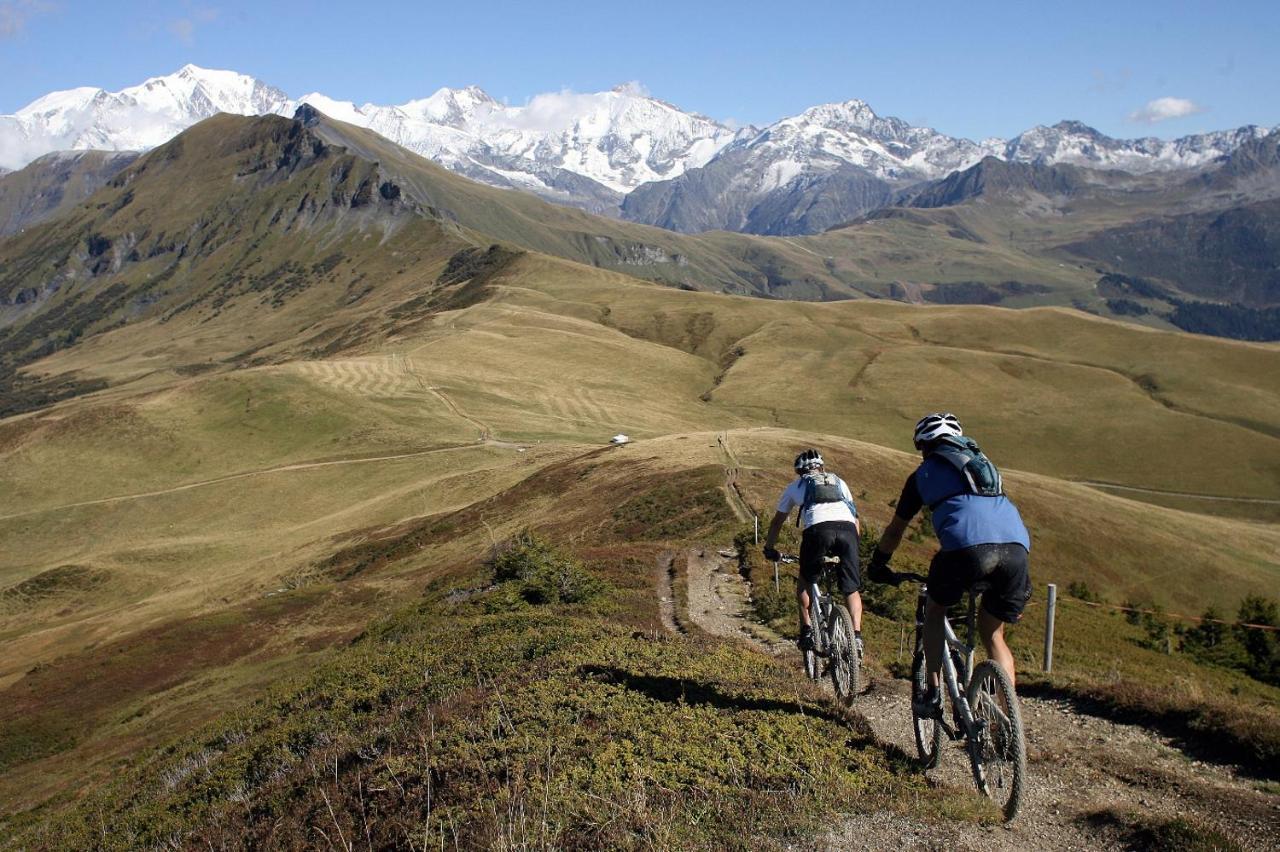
{"points": [[982, 539], [829, 521]]}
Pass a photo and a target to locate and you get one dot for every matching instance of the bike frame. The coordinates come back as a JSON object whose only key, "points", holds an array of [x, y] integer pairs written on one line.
{"points": [[820, 605], [950, 676]]}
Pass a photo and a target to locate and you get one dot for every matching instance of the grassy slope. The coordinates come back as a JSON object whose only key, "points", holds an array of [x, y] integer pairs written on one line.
{"points": [[364, 708], [52, 186], [849, 262], [173, 614]]}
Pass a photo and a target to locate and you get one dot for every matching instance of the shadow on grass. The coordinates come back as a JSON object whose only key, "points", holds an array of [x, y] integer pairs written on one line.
{"points": [[1201, 732], [672, 690]]}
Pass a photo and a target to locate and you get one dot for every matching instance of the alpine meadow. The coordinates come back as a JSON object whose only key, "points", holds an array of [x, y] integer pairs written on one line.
{"points": [[312, 534]]}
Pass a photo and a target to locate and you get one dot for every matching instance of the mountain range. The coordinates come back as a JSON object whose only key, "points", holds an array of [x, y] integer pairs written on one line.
{"points": [[619, 152]]}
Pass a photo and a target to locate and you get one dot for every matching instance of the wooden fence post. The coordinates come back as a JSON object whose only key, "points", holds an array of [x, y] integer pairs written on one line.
{"points": [[1051, 609]]}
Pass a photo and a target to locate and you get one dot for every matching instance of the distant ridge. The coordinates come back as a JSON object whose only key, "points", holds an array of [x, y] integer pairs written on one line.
{"points": [[617, 151]]}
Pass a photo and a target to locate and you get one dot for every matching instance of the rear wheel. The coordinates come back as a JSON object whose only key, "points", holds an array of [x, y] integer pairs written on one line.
{"points": [[846, 671], [928, 731], [1000, 754]]}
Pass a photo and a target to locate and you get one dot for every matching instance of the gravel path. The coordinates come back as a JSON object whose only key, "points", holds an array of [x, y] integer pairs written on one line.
{"points": [[1083, 769]]}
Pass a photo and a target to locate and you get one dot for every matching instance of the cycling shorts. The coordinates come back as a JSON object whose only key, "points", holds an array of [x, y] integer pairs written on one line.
{"points": [[831, 538], [1002, 568]]}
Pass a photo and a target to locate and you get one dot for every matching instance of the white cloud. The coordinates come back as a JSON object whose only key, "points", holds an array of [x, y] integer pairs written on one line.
{"points": [[14, 15], [184, 29], [1163, 109], [552, 112]]}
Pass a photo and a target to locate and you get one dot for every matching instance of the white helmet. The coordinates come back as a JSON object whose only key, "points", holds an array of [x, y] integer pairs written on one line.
{"points": [[934, 426], [808, 460]]}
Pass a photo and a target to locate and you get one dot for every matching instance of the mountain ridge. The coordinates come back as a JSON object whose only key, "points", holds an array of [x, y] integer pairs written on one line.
{"points": [[595, 150]]}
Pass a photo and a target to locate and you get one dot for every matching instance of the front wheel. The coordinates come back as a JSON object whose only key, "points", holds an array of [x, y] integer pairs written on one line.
{"points": [[999, 755], [812, 657], [846, 668], [928, 730]]}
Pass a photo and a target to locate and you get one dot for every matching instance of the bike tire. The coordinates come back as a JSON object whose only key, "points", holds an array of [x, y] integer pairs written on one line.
{"points": [[928, 731], [1000, 758], [812, 657], [812, 668], [846, 668]]}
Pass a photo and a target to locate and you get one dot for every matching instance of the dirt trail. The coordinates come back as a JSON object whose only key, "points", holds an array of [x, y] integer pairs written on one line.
{"points": [[1093, 483], [741, 509], [232, 477], [405, 364], [1079, 765]]}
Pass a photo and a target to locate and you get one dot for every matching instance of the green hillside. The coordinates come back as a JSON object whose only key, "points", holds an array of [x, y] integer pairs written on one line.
{"points": [[307, 396]]}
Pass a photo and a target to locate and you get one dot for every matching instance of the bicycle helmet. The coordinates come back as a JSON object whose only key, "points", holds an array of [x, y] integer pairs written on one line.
{"points": [[808, 460], [934, 426]]}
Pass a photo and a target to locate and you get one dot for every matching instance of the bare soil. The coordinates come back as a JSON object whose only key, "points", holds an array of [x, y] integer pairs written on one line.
{"points": [[1091, 779]]}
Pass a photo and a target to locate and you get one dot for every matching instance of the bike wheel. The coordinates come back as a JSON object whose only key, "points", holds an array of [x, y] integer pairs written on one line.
{"points": [[812, 657], [928, 730], [999, 755], [846, 670]]}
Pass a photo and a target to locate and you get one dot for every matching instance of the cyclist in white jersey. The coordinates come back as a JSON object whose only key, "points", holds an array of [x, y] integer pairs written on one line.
{"points": [[830, 526]]}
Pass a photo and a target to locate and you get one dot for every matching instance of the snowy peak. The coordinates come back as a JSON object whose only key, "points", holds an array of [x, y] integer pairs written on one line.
{"points": [[137, 117], [851, 133], [591, 149], [452, 107], [1076, 143]]}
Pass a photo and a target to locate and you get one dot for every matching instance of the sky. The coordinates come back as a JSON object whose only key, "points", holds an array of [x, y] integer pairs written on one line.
{"points": [[978, 69]]}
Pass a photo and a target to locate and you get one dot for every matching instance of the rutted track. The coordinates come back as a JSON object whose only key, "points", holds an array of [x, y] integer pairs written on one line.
{"points": [[1081, 767]]}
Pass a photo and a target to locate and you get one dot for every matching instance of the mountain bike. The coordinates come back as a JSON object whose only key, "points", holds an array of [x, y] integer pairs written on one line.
{"points": [[984, 711], [833, 637]]}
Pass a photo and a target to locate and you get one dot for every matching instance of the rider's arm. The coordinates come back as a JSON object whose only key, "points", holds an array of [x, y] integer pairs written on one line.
{"points": [[848, 495], [775, 527], [909, 503], [785, 504]]}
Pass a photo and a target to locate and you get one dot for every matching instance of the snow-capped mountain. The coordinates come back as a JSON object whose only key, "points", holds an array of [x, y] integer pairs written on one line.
{"points": [[135, 118], [678, 169], [616, 140], [619, 139], [805, 173], [1078, 144], [850, 132], [835, 162]]}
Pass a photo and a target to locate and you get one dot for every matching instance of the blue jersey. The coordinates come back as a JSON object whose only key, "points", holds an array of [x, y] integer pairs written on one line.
{"points": [[960, 518]]}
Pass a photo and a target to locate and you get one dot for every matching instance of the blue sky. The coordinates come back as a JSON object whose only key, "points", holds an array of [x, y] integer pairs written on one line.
{"points": [[976, 69]]}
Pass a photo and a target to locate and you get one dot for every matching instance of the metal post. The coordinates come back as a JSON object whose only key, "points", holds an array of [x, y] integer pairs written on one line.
{"points": [[756, 521], [776, 587], [1050, 611]]}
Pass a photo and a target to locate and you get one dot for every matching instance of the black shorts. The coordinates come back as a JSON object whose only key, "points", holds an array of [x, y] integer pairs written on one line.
{"points": [[832, 538], [1003, 568]]}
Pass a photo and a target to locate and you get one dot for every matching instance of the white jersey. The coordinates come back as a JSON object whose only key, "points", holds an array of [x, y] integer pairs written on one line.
{"points": [[818, 513]]}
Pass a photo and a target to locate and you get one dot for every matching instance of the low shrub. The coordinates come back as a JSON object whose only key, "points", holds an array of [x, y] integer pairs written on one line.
{"points": [[532, 570]]}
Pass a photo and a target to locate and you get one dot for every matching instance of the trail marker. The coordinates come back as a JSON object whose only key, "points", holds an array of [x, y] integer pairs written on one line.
{"points": [[1050, 610]]}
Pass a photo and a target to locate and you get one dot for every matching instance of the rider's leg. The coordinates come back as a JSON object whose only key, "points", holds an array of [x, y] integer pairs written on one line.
{"points": [[935, 615], [802, 599], [992, 631], [855, 610]]}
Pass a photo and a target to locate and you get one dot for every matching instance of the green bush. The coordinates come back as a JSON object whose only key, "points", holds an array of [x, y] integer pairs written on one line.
{"points": [[530, 569], [1081, 590]]}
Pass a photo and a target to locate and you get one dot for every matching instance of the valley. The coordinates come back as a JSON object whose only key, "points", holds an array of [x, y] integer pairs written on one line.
{"points": [[318, 387]]}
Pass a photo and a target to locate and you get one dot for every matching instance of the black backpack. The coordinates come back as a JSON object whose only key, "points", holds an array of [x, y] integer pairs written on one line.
{"points": [[981, 475]]}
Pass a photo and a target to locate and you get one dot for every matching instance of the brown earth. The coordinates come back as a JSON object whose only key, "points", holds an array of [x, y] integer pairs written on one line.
{"points": [[1093, 782]]}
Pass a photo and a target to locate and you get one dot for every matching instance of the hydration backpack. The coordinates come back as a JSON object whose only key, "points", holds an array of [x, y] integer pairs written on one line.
{"points": [[981, 475], [823, 488]]}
